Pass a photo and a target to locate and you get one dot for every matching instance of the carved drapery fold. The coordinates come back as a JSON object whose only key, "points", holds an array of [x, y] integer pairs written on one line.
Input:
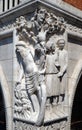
{"points": [[41, 84]]}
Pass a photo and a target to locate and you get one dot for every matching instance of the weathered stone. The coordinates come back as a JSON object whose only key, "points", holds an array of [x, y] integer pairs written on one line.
{"points": [[40, 72]]}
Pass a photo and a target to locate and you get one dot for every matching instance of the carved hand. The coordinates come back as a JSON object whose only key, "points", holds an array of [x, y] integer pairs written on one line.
{"points": [[60, 74]]}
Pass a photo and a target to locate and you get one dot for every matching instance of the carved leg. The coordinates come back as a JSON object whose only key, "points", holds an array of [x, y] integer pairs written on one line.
{"points": [[55, 100], [61, 98], [42, 102], [48, 102], [31, 102]]}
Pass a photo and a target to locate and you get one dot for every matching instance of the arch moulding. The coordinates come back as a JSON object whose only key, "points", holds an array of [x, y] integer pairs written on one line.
{"points": [[7, 99], [72, 85]]}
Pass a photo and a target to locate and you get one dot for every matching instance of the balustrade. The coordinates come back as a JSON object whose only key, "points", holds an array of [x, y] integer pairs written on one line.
{"points": [[8, 4]]}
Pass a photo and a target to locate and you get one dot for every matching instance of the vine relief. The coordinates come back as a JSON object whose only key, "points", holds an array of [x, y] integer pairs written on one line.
{"points": [[41, 84], [24, 126]]}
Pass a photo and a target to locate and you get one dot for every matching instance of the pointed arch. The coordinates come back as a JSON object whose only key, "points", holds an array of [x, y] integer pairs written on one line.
{"points": [[73, 81], [72, 86], [7, 99]]}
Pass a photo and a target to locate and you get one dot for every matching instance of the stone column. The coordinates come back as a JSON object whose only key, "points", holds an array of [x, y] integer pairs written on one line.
{"points": [[22, 1], [10, 4], [16, 2], [5, 6], [1, 6]]}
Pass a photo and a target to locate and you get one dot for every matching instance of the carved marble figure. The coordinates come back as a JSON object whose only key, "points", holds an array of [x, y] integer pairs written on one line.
{"points": [[63, 63], [31, 73], [52, 81], [42, 68], [39, 18]]}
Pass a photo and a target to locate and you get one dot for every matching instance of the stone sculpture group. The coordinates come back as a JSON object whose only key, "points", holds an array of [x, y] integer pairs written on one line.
{"points": [[42, 60]]}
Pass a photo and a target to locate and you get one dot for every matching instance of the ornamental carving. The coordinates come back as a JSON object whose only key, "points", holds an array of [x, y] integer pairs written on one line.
{"points": [[40, 90]]}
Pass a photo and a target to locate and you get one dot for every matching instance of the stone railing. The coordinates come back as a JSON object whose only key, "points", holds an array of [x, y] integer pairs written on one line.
{"points": [[8, 4]]}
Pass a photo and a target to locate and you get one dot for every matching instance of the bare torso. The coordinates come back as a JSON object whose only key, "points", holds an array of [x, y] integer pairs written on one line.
{"points": [[28, 60]]}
